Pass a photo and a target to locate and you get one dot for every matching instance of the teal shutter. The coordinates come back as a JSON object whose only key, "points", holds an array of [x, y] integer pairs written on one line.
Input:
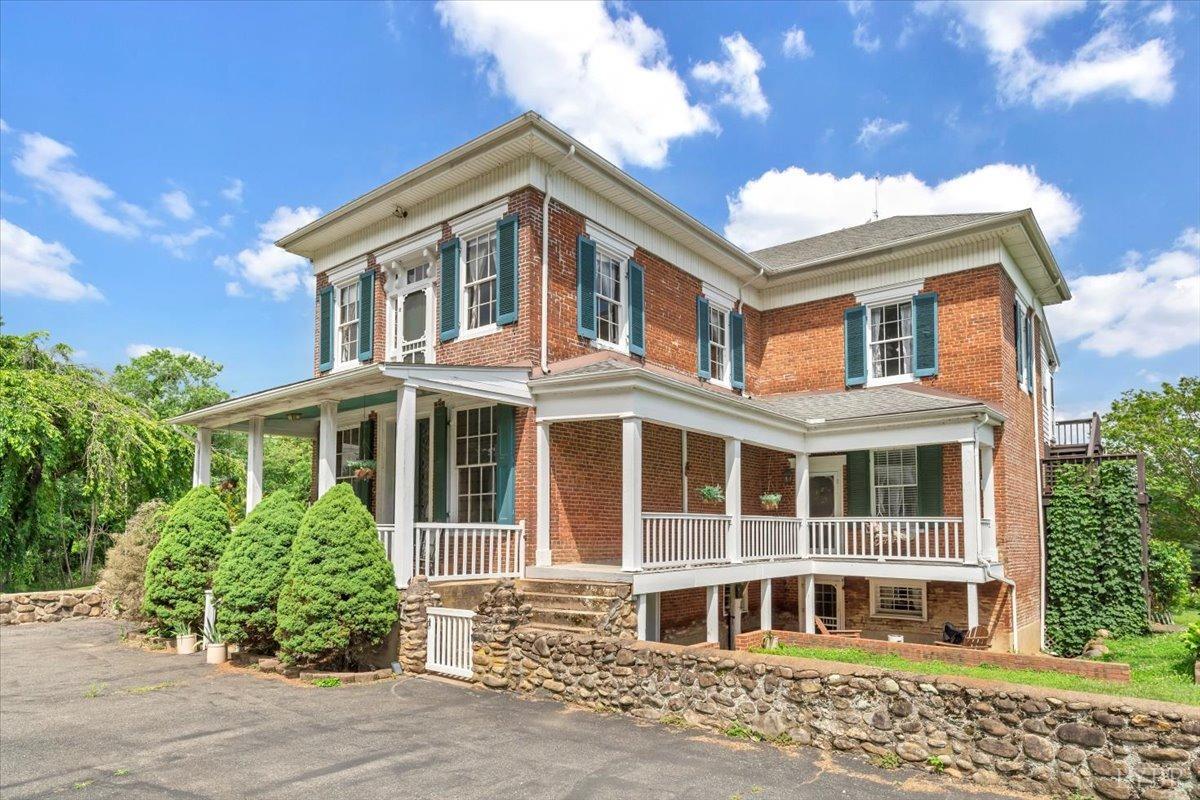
{"points": [[737, 350], [366, 315], [1017, 339], [858, 482], [585, 287], [637, 309], [929, 481], [506, 473], [448, 292], [702, 354], [506, 270], [441, 433], [856, 345], [366, 450], [1029, 352], [325, 329], [925, 334]]}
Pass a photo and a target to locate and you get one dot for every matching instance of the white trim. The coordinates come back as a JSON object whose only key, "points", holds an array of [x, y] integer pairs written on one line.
{"points": [[875, 583], [839, 586], [619, 245], [904, 377], [916, 484], [622, 261], [347, 271], [836, 474], [464, 309], [338, 363], [489, 214], [411, 247], [887, 295]]}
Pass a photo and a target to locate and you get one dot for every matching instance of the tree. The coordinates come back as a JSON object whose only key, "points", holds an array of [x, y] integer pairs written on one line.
{"points": [[1170, 568], [124, 575], [181, 566], [251, 571], [170, 383], [339, 596]]}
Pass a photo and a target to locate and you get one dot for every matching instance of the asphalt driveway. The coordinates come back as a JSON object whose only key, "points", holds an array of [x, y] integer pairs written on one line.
{"points": [[84, 715]]}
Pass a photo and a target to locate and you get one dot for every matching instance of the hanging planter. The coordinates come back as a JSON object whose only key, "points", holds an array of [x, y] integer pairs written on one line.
{"points": [[363, 469], [227, 484], [770, 500], [711, 494]]}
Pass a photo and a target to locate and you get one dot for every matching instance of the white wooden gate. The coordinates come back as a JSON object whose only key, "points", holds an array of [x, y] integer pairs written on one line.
{"points": [[448, 646]]}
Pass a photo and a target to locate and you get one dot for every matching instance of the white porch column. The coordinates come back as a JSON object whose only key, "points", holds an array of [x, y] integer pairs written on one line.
{"points": [[254, 463], [970, 500], [764, 604], [972, 605], [405, 488], [327, 448], [631, 494], [713, 616], [202, 462], [808, 600], [642, 603], [987, 477], [733, 499], [542, 557], [802, 498]]}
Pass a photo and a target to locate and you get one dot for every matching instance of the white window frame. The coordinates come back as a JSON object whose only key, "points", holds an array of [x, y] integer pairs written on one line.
{"points": [[338, 462], [622, 343], [876, 584], [916, 484], [725, 310], [452, 460], [338, 361], [839, 585], [464, 310], [399, 288], [903, 377], [1022, 367]]}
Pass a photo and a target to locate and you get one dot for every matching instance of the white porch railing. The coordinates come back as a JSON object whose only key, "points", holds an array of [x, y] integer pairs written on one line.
{"points": [[387, 537], [448, 642], [887, 538], [769, 538], [453, 550], [683, 540]]}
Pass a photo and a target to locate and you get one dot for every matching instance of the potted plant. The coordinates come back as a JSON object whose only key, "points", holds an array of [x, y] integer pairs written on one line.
{"points": [[214, 652], [185, 640], [227, 484], [770, 500], [363, 468], [711, 494]]}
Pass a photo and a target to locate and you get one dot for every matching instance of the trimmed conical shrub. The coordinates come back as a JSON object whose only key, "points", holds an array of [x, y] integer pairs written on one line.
{"points": [[181, 565], [339, 596], [252, 570]]}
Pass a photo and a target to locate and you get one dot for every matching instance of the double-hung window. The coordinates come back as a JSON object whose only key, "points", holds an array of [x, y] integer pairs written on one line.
{"points": [[898, 599], [610, 304], [718, 343], [479, 280], [348, 448], [347, 328], [894, 482], [891, 340], [475, 462]]}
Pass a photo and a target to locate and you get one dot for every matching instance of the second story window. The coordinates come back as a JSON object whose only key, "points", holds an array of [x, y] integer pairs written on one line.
{"points": [[891, 337], [479, 280], [718, 344], [410, 313], [609, 305], [894, 479], [347, 323]]}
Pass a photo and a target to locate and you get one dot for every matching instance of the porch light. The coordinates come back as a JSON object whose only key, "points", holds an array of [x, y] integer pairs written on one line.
{"points": [[293, 416]]}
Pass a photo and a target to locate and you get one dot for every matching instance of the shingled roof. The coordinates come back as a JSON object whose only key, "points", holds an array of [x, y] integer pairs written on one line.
{"points": [[861, 237]]}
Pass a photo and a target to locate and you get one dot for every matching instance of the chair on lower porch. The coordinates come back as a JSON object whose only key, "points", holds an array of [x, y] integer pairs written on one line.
{"points": [[845, 633], [977, 638]]}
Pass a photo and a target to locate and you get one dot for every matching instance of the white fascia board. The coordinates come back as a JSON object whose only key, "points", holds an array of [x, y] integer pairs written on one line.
{"points": [[509, 385], [716, 575], [895, 433]]}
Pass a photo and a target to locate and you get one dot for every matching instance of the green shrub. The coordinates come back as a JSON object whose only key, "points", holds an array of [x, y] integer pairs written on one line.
{"points": [[339, 595], [181, 565], [252, 570], [1170, 569], [124, 575], [1191, 637]]}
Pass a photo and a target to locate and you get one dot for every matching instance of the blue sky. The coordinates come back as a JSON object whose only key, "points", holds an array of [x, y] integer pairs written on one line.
{"points": [[151, 152]]}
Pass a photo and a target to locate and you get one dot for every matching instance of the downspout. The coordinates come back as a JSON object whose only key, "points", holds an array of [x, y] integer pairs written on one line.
{"points": [[544, 363], [761, 271]]}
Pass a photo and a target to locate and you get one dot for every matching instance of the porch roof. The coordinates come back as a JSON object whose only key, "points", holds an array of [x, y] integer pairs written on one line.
{"points": [[294, 408]]}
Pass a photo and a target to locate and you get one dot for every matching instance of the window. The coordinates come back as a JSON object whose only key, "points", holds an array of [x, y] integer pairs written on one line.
{"points": [[825, 604], [479, 280], [409, 314], [898, 599], [609, 309], [890, 331], [348, 448], [894, 479], [475, 460], [718, 344], [348, 323]]}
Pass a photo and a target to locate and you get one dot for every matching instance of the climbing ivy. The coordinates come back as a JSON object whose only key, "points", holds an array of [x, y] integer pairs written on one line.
{"points": [[1093, 556]]}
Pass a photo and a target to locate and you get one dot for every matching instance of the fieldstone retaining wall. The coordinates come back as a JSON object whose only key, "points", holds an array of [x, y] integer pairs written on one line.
{"points": [[50, 606], [496, 617], [414, 623]]}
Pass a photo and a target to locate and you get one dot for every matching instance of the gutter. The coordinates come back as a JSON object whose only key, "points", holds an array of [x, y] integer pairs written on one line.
{"points": [[544, 363]]}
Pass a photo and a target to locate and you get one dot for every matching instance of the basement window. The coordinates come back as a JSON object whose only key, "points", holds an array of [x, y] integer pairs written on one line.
{"points": [[900, 599]]}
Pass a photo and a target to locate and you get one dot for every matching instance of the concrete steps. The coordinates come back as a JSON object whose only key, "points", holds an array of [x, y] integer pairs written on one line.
{"points": [[570, 606]]}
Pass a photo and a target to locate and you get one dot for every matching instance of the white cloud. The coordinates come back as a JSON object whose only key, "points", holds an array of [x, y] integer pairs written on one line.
{"points": [[29, 265], [234, 289], [46, 163], [861, 11], [139, 350], [784, 205], [795, 43], [1163, 15], [4, 126], [737, 76], [875, 132], [599, 71], [225, 220], [177, 205], [265, 266], [234, 190], [1111, 63], [5, 197], [177, 244], [1145, 308]]}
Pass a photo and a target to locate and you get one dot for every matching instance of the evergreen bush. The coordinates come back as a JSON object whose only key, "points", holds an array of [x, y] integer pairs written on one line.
{"points": [[181, 565], [1170, 569], [124, 577], [252, 569], [339, 595]]}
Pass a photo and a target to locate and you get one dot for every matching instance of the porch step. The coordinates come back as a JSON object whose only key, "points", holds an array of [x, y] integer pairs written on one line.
{"points": [[568, 602], [563, 617], [591, 588], [542, 626]]}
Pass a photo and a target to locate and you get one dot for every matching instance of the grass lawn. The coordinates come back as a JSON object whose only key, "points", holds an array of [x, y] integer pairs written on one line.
{"points": [[1160, 664]]}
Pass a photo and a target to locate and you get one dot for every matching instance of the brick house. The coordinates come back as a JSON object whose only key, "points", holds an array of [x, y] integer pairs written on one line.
{"points": [[560, 376]]}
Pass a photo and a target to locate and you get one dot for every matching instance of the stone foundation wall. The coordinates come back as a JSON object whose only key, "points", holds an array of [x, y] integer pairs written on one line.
{"points": [[50, 606], [414, 623]]}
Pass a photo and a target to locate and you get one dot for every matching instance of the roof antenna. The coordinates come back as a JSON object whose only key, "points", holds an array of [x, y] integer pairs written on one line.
{"points": [[875, 213]]}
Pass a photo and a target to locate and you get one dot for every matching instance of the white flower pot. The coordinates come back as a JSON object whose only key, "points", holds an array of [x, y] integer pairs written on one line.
{"points": [[214, 653], [185, 645]]}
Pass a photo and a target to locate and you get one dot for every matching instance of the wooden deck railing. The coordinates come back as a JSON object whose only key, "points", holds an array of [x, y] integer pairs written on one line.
{"points": [[683, 540]]}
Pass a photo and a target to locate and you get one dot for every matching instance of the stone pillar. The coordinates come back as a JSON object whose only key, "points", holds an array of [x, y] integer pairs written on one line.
{"points": [[404, 486], [327, 448], [733, 499], [202, 462], [764, 604], [970, 500], [713, 615], [254, 463], [543, 557], [414, 624], [631, 494]]}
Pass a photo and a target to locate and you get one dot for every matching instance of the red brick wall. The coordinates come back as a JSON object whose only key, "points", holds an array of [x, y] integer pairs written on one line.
{"points": [[766, 470], [662, 469], [585, 491]]}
